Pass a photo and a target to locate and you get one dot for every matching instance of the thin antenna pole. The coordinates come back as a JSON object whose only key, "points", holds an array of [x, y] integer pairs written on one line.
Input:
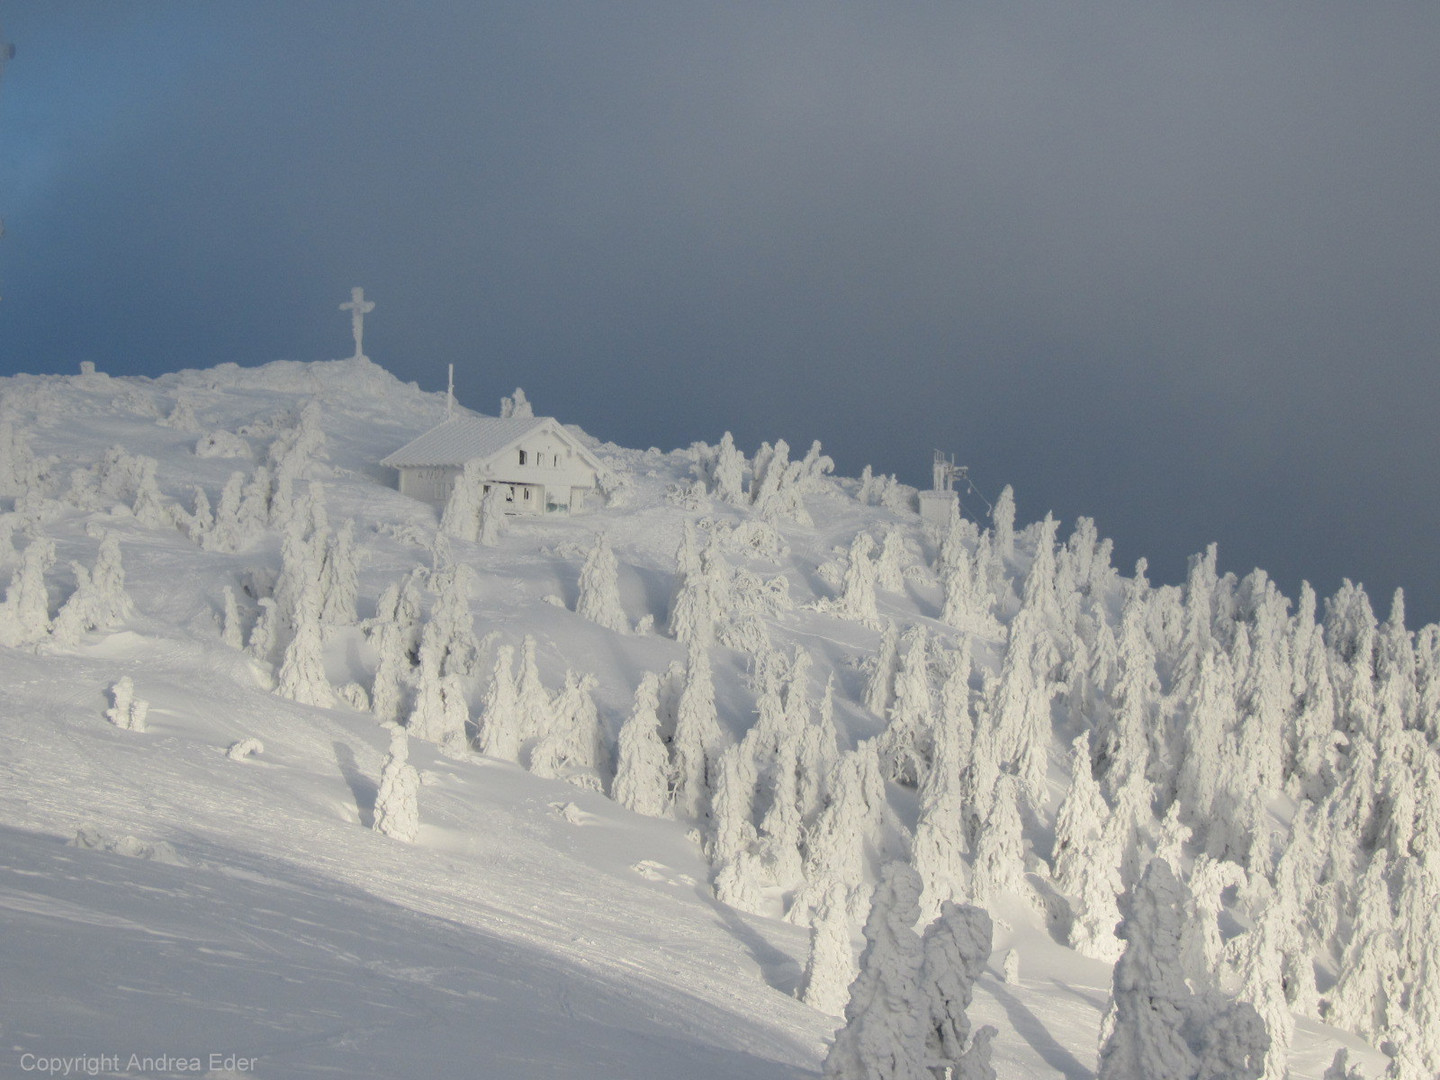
{"points": [[450, 395]]}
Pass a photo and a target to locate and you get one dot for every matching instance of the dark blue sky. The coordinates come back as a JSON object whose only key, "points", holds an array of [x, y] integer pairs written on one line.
{"points": [[1173, 266]]}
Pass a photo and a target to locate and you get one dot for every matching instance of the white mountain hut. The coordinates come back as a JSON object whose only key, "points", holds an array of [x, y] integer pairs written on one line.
{"points": [[540, 467]]}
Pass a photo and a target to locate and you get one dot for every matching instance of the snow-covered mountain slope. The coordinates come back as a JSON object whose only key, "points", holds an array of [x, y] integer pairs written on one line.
{"points": [[244, 905]]}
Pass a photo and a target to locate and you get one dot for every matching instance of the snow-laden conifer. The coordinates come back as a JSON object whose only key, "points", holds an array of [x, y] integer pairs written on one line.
{"points": [[830, 961], [600, 588], [885, 1019], [232, 631], [1149, 1001], [516, 406], [729, 471], [1002, 518], [857, 594], [339, 577], [397, 803], [699, 740], [891, 563], [642, 763], [880, 687], [302, 671], [25, 612], [955, 947], [736, 868], [1000, 849], [573, 747], [904, 745], [99, 599], [501, 733], [940, 842]]}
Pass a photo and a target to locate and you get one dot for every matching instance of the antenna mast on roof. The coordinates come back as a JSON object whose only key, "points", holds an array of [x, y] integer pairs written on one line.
{"points": [[450, 395]]}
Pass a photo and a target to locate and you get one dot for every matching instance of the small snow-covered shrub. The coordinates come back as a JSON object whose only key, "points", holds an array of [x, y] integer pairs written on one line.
{"points": [[245, 748], [222, 444], [397, 804], [126, 712], [91, 838]]}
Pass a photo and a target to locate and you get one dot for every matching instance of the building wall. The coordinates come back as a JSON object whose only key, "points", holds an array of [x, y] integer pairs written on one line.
{"points": [[551, 476]]}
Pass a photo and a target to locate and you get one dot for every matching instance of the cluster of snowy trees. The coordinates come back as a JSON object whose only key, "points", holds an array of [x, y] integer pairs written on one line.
{"points": [[777, 485], [97, 601]]}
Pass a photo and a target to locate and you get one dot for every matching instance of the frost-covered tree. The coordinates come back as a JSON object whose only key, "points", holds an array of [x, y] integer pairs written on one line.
{"points": [[572, 748], [880, 687], [884, 1035], [729, 472], [501, 733], [905, 743], [232, 633], [940, 843], [1260, 963], [848, 825], [1362, 998], [1000, 849], [699, 739], [339, 577], [642, 763], [1156, 1028], [516, 406], [302, 671], [600, 588], [1086, 863], [736, 867], [1149, 1001], [461, 517], [830, 962], [25, 612], [99, 599], [955, 947], [857, 594], [127, 712], [891, 563], [1002, 518], [19, 472], [397, 803]]}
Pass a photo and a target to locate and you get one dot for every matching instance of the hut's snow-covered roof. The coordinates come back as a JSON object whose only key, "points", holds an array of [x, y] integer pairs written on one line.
{"points": [[466, 438]]}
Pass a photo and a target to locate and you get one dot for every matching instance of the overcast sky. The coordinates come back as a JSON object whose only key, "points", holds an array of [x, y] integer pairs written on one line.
{"points": [[1172, 266]]}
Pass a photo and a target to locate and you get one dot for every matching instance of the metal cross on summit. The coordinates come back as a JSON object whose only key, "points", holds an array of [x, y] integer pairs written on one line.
{"points": [[358, 308]]}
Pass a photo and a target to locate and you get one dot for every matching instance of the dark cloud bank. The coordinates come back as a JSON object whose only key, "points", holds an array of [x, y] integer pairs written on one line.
{"points": [[1171, 268]]}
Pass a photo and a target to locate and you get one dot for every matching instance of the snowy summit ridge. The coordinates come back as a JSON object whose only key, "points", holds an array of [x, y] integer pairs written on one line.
{"points": [[312, 776]]}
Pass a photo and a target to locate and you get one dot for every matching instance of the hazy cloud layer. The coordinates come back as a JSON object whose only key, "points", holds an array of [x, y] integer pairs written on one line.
{"points": [[1174, 268]]}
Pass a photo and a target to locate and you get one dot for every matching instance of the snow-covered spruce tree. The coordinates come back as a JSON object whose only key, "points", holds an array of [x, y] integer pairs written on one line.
{"points": [[461, 517], [1260, 963], [1086, 867], [500, 723], [904, 745], [885, 1032], [880, 687], [1156, 1028], [1002, 518], [830, 962], [642, 763], [600, 588], [535, 710], [25, 613], [819, 750], [781, 826], [729, 472], [1311, 737], [1122, 747], [699, 740], [940, 843], [768, 473], [857, 594], [955, 947], [690, 617], [573, 746], [1000, 849], [1149, 1002], [232, 632], [397, 803], [302, 671], [339, 577], [99, 599], [735, 865], [448, 651], [127, 712], [890, 566], [19, 472], [516, 407], [1363, 997]]}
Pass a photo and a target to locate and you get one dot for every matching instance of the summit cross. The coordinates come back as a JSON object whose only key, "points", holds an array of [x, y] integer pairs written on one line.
{"points": [[358, 308]]}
